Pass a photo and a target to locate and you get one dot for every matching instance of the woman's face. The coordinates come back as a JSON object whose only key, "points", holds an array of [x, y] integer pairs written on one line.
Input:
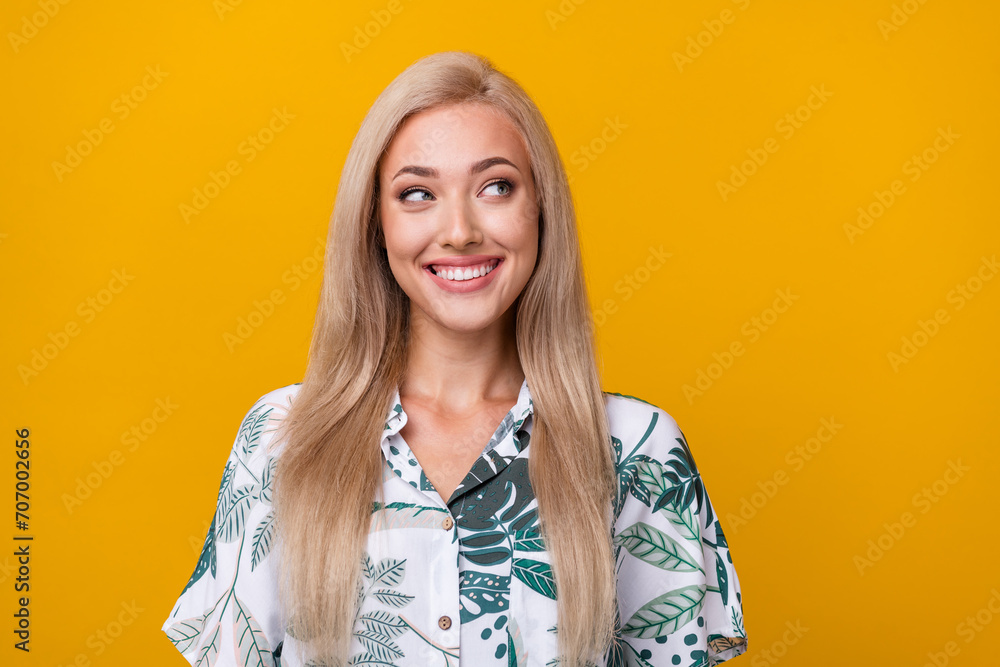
{"points": [[459, 216]]}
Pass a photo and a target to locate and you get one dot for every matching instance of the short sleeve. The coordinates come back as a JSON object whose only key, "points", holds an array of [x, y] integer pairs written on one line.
{"points": [[228, 612], [678, 593]]}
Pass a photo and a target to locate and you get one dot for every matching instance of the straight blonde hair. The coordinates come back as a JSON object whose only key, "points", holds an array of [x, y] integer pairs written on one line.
{"points": [[330, 468]]}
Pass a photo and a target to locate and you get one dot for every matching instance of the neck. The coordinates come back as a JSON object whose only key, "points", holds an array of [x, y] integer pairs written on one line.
{"points": [[462, 369]]}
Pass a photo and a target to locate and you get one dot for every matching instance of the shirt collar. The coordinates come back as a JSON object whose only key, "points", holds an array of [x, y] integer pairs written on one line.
{"points": [[396, 418]]}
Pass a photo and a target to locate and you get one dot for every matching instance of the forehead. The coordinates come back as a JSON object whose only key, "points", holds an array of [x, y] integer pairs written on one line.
{"points": [[455, 135]]}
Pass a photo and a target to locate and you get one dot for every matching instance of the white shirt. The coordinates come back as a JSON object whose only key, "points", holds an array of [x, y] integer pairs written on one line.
{"points": [[468, 581]]}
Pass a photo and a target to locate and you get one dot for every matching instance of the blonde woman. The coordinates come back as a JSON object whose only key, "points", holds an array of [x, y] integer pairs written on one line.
{"points": [[449, 485]]}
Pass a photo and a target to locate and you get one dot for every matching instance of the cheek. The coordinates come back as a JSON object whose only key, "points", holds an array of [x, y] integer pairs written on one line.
{"points": [[399, 241]]}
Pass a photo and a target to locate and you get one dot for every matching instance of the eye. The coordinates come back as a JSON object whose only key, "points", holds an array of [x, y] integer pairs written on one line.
{"points": [[499, 188], [406, 195]]}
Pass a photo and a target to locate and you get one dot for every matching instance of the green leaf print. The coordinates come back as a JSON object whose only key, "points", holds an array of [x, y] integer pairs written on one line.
{"points": [[656, 548], [723, 575], [536, 575], [487, 556], [262, 537], [720, 537], [378, 628], [666, 614], [389, 572], [627, 472], [738, 620], [366, 566], [227, 479], [209, 653], [482, 593], [630, 475], [206, 560], [486, 547], [685, 520], [379, 645], [650, 473], [382, 622], [267, 480], [405, 515], [516, 655], [252, 428], [252, 649], [528, 540], [686, 485], [233, 513], [184, 634]]}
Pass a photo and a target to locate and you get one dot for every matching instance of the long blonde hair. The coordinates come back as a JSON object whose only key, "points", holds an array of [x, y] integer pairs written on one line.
{"points": [[330, 468]]}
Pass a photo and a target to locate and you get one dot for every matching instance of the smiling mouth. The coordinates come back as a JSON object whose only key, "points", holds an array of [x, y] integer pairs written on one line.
{"points": [[462, 273]]}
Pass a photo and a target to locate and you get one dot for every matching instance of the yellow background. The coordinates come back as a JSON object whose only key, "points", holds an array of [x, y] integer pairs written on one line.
{"points": [[653, 182]]}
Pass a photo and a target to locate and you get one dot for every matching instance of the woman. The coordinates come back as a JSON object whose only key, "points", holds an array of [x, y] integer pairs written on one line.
{"points": [[452, 284]]}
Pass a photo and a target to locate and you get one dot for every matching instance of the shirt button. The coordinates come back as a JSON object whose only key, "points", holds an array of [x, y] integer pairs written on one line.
{"points": [[447, 523], [444, 622]]}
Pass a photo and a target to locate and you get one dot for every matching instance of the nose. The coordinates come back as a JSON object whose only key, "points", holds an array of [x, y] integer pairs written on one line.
{"points": [[459, 225]]}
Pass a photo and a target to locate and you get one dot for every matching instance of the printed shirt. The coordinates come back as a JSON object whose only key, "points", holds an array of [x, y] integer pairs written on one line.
{"points": [[468, 582]]}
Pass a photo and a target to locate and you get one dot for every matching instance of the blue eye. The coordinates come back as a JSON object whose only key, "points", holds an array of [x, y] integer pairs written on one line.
{"points": [[405, 195], [501, 188]]}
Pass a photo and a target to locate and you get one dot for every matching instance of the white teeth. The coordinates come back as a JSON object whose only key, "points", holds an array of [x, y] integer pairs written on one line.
{"points": [[465, 273]]}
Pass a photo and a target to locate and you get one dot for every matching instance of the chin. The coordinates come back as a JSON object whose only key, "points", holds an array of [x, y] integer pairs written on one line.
{"points": [[465, 325]]}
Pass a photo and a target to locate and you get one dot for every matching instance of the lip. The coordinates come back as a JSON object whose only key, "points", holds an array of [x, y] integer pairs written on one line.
{"points": [[462, 260], [463, 286]]}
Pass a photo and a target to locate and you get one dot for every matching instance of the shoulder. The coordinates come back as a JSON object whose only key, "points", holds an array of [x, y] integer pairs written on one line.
{"points": [[642, 428], [261, 420], [277, 400], [630, 414]]}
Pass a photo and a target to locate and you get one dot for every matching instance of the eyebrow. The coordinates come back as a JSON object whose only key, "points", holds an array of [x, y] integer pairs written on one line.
{"points": [[430, 172]]}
